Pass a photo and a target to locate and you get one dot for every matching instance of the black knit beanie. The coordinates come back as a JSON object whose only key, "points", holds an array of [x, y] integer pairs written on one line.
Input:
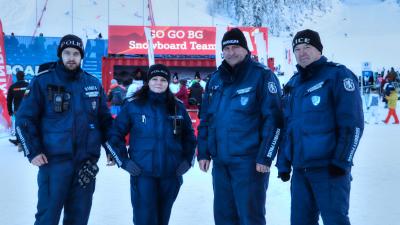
{"points": [[70, 41], [234, 37], [307, 37], [159, 70]]}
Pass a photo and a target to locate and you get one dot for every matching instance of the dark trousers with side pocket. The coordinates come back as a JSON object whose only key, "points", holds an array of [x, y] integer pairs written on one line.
{"points": [[315, 192], [152, 199], [58, 189], [239, 193]]}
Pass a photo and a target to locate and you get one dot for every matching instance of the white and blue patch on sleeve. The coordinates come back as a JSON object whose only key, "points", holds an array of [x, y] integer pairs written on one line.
{"points": [[272, 88], [348, 84]]}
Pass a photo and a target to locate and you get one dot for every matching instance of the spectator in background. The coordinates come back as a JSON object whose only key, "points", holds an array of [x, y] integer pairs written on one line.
{"points": [[195, 93], [116, 97], [136, 84], [183, 94], [372, 108], [13, 42], [174, 86], [197, 78], [38, 44], [392, 103], [14, 97]]}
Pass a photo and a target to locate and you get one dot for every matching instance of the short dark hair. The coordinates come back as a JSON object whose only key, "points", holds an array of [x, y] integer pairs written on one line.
{"points": [[20, 75]]}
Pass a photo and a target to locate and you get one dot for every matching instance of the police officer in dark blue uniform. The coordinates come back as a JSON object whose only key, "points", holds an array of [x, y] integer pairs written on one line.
{"points": [[61, 124], [240, 125], [161, 147], [324, 122]]}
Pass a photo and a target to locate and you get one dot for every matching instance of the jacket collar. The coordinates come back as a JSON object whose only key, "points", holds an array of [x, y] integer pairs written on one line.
{"points": [[312, 69], [68, 74], [229, 74]]}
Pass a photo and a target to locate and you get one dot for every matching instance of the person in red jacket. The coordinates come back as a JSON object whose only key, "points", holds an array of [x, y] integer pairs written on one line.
{"points": [[183, 93]]}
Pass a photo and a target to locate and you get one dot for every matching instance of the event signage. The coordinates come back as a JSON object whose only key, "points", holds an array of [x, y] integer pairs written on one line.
{"points": [[170, 40]]}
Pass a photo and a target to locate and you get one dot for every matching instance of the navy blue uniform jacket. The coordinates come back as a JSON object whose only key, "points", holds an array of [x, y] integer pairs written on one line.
{"points": [[241, 115], [153, 146], [75, 133], [323, 117]]}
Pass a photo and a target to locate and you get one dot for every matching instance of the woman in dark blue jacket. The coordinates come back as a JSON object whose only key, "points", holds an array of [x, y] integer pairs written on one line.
{"points": [[161, 147]]}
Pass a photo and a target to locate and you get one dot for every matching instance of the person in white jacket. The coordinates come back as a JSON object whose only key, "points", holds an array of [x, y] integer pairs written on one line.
{"points": [[137, 83]]}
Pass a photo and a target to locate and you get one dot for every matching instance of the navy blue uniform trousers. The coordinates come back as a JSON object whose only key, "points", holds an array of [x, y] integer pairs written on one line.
{"points": [[152, 198], [58, 189], [314, 192], [239, 193]]}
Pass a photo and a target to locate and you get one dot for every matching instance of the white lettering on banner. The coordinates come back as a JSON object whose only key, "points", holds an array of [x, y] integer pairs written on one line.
{"points": [[195, 46], [160, 46], [29, 70], [195, 34], [1, 57], [176, 34], [2, 71]]}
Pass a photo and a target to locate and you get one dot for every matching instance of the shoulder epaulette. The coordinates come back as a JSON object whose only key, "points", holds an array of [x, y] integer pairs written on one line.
{"points": [[257, 64], [42, 72], [334, 64], [45, 71], [89, 74], [130, 99]]}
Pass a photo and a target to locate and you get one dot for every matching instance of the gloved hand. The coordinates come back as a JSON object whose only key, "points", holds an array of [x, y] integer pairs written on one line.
{"points": [[131, 167], [182, 168], [336, 171], [87, 173], [285, 176]]}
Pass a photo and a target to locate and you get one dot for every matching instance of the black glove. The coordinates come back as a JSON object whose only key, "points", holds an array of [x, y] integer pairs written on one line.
{"points": [[131, 167], [87, 173], [285, 176], [336, 171], [182, 168]]}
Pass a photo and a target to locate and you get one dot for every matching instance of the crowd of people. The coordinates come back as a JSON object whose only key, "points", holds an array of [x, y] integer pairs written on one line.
{"points": [[313, 127]]}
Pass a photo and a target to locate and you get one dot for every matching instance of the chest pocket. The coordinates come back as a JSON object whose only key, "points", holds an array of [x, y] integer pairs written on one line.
{"points": [[244, 100], [316, 98], [143, 125], [91, 100]]}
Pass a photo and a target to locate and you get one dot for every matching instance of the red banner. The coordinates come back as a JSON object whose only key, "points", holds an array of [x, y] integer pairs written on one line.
{"points": [[169, 40], [5, 78]]}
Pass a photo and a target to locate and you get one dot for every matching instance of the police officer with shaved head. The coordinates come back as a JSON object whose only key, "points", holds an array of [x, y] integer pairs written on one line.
{"points": [[61, 124], [240, 125], [324, 122]]}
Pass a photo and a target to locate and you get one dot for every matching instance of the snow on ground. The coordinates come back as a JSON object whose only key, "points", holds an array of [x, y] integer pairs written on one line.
{"points": [[374, 196]]}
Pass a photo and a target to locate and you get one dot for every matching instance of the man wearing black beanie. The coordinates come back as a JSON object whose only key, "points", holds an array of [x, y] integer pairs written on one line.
{"points": [[61, 124], [240, 125], [323, 99]]}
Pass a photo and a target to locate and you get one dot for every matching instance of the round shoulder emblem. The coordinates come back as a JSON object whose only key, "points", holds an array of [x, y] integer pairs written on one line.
{"points": [[349, 84], [272, 88]]}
